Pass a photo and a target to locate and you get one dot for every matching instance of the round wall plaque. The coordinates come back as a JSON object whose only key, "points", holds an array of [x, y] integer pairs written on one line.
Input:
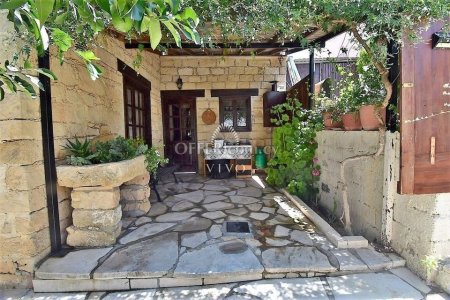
{"points": [[209, 116]]}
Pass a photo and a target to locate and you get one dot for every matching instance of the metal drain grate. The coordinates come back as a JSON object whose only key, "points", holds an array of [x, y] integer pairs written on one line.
{"points": [[237, 227]]}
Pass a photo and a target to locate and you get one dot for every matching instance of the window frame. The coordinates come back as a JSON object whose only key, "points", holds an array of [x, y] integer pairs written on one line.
{"points": [[236, 96]]}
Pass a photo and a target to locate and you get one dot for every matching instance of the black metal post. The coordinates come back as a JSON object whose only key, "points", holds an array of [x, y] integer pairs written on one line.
{"points": [[49, 156], [312, 70], [394, 71]]}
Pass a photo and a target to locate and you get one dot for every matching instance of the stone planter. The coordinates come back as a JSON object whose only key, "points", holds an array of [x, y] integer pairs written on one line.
{"points": [[100, 195]]}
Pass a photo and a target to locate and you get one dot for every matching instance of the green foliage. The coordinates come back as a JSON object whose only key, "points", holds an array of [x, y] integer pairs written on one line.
{"points": [[370, 86], [431, 264], [71, 24], [118, 149], [293, 164], [350, 91]]}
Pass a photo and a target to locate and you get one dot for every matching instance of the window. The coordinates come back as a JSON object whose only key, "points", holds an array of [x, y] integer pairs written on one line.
{"points": [[136, 94], [235, 108]]}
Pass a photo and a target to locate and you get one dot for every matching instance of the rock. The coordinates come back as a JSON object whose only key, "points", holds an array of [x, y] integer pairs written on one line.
{"points": [[192, 240], [277, 242], [135, 208], [157, 209], [182, 205], [142, 179], [134, 192], [196, 196], [250, 191], [253, 243], [371, 286], [296, 259], [254, 207], [74, 265], [142, 220], [215, 231], [145, 231], [243, 200], [92, 238], [237, 183], [213, 198], [194, 224], [174, 217], [302, 237], [259, 216], [95, 197], [294, 288], [149, 258], [281, 231], [347, 261], [373, 259], [269, 210], [218, 206], [214, 215], [237, 211], [210, 261], [83, 218], [232, 193], [217, 188]]}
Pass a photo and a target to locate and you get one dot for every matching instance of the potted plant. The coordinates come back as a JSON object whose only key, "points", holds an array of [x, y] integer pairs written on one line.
{"points": [[372, 114], [349, 99], [109, 179], [330, 110]]}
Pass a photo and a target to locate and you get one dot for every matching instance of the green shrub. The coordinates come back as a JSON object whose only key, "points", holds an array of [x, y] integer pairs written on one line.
{"points": [[118, 149], [293, 165]]}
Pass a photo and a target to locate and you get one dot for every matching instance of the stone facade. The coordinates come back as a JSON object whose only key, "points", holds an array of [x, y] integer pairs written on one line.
{"points": [[207, 73], [24, 233], [354, 168]]}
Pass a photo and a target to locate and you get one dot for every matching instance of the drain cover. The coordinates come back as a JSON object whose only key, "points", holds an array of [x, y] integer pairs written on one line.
{"points": [[238, 227]]}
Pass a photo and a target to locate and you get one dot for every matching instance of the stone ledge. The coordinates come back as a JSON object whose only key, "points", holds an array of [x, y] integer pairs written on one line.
{"points": [[106, 175], [337, 240]]}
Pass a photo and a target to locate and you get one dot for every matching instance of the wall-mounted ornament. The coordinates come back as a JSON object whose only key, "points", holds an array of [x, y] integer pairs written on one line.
{"points": [[209, 116]]}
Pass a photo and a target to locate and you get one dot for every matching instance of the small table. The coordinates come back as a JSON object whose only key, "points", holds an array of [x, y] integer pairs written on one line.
{"points": [[237, 153]]}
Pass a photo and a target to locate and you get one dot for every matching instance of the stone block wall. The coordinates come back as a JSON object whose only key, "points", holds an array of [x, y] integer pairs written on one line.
{"points": [[86, 108], [207, 73], [351, 179], [418, 225], [24, 233]]}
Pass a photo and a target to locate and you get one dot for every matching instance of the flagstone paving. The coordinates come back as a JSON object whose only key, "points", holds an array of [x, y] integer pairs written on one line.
{"points": [[182, 241]]}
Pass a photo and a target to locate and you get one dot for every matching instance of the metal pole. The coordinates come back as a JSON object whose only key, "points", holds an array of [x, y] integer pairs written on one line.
{"points": [[49, 156], [312, 70]]}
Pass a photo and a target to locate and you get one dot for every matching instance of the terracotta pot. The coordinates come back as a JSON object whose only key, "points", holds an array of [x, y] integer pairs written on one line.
{"points": [[351, 121], [368, 117], [329, 123]]}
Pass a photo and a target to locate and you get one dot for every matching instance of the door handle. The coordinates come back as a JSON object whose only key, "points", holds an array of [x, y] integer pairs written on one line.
{"points": [[433, 150]]}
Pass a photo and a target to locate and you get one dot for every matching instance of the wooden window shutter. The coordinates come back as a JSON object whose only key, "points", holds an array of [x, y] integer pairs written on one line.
{"points": [[425, 117]]}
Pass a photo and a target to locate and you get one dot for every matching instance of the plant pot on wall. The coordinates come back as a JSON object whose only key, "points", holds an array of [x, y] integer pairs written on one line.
{"points": [[369, 120], [351, 121], [329, 123]]}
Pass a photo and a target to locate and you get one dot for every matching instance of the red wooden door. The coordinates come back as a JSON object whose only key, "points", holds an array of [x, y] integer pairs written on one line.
{"points": [[425, 117]]}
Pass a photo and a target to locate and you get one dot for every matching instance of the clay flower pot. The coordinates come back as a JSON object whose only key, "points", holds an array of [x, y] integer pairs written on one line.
{"points": [[351, 121], [368, 117], [329, 123]]}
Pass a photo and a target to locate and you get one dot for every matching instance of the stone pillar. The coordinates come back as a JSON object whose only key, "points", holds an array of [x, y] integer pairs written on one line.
{"points": [[135, 196], [96, 216]]}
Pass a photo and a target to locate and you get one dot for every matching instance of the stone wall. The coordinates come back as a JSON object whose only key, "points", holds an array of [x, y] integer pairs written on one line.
{"points": [[24, 233], [415, 226], [206, 73], [419, 224], [86, 108], [351, 179]]}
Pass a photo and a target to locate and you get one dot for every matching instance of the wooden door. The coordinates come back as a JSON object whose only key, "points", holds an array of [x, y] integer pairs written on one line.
{"points": [[180, 128], [425, 117]]}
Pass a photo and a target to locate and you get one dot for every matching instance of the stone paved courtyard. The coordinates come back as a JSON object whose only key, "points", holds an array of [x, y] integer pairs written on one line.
{"points": [[182, 241]]}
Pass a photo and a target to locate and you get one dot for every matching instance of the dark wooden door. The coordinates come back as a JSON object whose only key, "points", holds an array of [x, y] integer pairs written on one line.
{"points": [[180, 128], [425, 116]]}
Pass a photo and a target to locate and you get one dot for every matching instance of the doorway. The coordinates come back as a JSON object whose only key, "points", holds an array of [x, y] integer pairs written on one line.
{"points": [[180, 128]]}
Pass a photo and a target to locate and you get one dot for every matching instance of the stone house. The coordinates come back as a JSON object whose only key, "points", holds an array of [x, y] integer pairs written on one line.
{"points": [[141, 103]]}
